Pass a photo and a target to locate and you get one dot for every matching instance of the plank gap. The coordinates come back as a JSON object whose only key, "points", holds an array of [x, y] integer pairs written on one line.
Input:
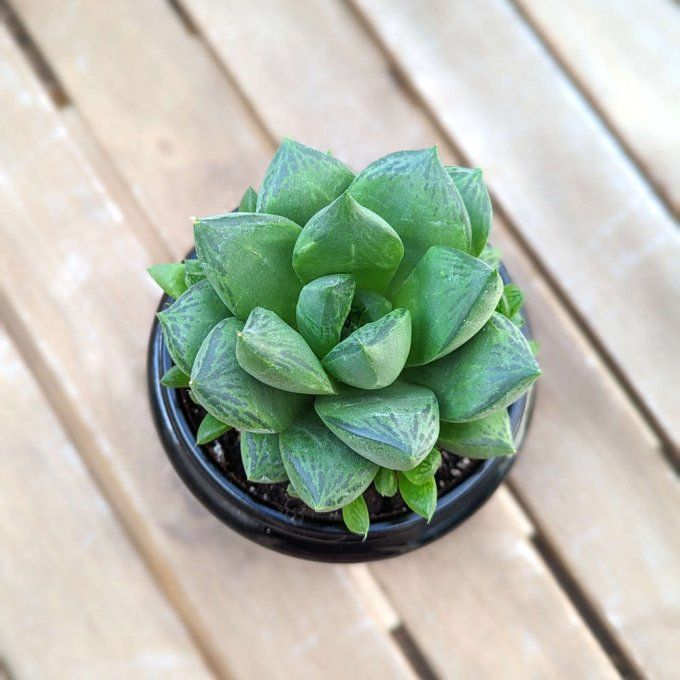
{"points": [[184, 17], [578, 598], [34, 56], [59, 402], [414, 655], [5, 670], [402, 79], [599, 111]]}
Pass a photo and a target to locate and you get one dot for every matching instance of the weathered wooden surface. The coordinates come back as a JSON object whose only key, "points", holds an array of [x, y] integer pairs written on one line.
{"points": [[67, 570], [165, 123], [625, 56]]}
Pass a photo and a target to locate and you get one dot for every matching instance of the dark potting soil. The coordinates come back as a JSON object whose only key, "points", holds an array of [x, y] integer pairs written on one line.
{"points": [[225, 452]]}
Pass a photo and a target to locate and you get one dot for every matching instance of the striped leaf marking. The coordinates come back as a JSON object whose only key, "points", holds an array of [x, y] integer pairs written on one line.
{"points": [[323, 470], [271, 351], [247, 259], [413, 193], [395, 427], [300, 181], [346, 237], [188, 320], [261, 458], [374, 355], [485, 375], [471, 187], [450, 295], [232, 395], [487, 437], [321, 311]]}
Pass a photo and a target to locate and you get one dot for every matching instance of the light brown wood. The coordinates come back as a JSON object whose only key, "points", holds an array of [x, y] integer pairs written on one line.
{"points": [[509, 621], [625, 56], [156, 103], [580, 407], [76, 599], [83, 315], [588, 215]]}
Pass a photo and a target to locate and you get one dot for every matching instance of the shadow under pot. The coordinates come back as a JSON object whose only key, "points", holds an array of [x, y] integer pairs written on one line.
{"points": [[266, 514]]}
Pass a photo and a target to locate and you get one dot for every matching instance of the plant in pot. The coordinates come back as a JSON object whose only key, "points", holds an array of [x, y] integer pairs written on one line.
{"points": [[342, 370]]}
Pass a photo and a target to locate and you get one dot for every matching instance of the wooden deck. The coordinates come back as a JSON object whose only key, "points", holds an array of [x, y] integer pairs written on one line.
{"points": [[120, 119]]}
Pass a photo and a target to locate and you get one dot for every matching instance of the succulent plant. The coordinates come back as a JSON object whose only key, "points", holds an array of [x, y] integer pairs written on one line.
{"points": [[349, 325]]}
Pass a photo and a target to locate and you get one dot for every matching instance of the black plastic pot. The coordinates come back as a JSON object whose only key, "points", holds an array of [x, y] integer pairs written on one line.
{"points": [[308, 538]]}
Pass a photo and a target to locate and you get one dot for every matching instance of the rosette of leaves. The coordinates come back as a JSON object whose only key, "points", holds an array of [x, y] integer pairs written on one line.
{"points": [[348, 326]]}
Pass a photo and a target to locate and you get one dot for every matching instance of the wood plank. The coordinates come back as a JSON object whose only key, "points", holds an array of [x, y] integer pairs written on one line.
{"points": [[67, 565], [83, 314], [625, 56], [588, 215], [156, 103], [507, 621], [576, 392]]}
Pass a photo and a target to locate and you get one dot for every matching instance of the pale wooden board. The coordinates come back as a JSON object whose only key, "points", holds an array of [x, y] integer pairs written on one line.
{"points": [[508, 620], [83, 314], [71, 584], [587, 213], [626, 55], [632, 556], [156, 103]]}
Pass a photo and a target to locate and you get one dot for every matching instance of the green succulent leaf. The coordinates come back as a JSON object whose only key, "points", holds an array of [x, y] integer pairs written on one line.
{"points": [[290, 490], [486, 374], [426, 469], [355, 516], [248, 202], [535, 347], [386, 482], [491, 256], [324, 471], [488, 437], [472, 190], [247, 259], [210, 429], [395, 427], [421, 498], [188, 320], [450, 295], [261, 457], [300, 181], [193, 272], [346, 237], [368, 306], [271, 351], [322, 309], [170, 278], [413, 193], [232, 395], [511, 301], [175, 377], [374, 355]]}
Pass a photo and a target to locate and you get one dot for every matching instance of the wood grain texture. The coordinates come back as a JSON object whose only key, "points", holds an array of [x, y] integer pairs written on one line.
{"points": [[157, 104], [625, 56], [67, 570], [576, 393], [598, 487], [84, 315], [581, 205], [507, 621]]}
